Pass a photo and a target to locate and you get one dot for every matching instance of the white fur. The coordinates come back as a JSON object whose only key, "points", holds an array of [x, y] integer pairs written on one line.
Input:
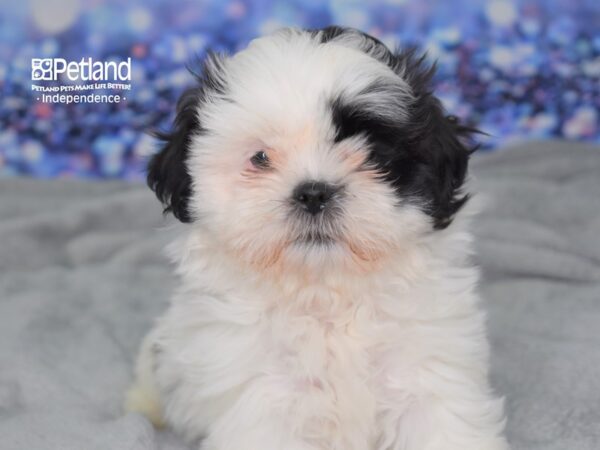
{"points": [[376, 342]]}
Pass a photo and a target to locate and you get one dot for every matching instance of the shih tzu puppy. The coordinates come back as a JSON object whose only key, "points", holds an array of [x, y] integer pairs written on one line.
{"points": [[326, 297]]}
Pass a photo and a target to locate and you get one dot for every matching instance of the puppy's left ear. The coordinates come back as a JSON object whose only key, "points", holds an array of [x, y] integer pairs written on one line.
{"points": [[441, 141], [448, 157], [168, 174]]}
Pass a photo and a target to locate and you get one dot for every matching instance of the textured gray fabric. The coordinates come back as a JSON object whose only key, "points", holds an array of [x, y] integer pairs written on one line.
{"points": [[82, 276]]}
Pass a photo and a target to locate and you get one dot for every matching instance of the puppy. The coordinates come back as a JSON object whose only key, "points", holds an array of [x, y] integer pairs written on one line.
{"points": [[326, 298]]}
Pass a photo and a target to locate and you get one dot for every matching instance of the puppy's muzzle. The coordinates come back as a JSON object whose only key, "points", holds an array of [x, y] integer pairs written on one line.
{"points": [[313, 197]]}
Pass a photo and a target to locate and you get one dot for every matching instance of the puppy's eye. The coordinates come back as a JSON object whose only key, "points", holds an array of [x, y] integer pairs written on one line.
{"points": [[260, 160]]}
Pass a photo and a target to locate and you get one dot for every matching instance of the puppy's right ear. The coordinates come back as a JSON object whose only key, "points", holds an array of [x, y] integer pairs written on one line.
{"points": [[168, 174]]}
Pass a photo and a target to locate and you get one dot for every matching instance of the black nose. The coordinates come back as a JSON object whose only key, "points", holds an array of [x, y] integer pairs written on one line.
{"points": [[312, 196]]}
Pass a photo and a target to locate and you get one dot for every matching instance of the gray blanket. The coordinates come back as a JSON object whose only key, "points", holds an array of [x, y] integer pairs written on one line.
{"points": [[82, 276]]}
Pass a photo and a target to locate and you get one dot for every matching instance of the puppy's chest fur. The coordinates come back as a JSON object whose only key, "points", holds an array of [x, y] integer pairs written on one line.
{"points": [[334, 356], [344, 351], [329, 337]]}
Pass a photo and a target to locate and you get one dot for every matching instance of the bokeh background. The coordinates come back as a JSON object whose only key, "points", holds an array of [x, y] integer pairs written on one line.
{"points": [[519, 69]]}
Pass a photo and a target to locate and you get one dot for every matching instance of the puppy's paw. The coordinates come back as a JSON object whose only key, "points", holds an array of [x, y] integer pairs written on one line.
{"points": [[145, 400]]}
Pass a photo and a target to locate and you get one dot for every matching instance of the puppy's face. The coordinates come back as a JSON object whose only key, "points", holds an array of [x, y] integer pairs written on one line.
{"points": [[312, 148]]}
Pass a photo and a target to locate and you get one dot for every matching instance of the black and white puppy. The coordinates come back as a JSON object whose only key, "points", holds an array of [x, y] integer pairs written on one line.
{"points": [[326, 297]]}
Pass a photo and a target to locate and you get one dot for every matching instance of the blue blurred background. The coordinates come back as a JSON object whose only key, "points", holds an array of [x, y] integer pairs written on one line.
{"points": [[519, 69]]}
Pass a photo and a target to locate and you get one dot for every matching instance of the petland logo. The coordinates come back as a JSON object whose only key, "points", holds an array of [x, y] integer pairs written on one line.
{"points": [[49, 69], [65, 80]]}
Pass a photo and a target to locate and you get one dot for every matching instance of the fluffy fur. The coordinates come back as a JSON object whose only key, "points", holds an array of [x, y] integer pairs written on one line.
{"points": [[352, 325]]}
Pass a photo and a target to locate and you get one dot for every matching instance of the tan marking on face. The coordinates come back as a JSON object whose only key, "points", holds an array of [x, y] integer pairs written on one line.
{"points": [[303, 136], [265, 260], [366, 259], [353, 159]]}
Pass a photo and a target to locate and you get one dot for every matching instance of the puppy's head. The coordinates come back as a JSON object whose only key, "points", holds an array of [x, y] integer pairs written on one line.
{"points": [[312, 148]]}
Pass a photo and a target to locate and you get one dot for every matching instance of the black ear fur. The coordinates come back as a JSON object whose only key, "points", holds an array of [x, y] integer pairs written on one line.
{"points": [[440, 140], [167, 171], [447, 162], [168, 174]]}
